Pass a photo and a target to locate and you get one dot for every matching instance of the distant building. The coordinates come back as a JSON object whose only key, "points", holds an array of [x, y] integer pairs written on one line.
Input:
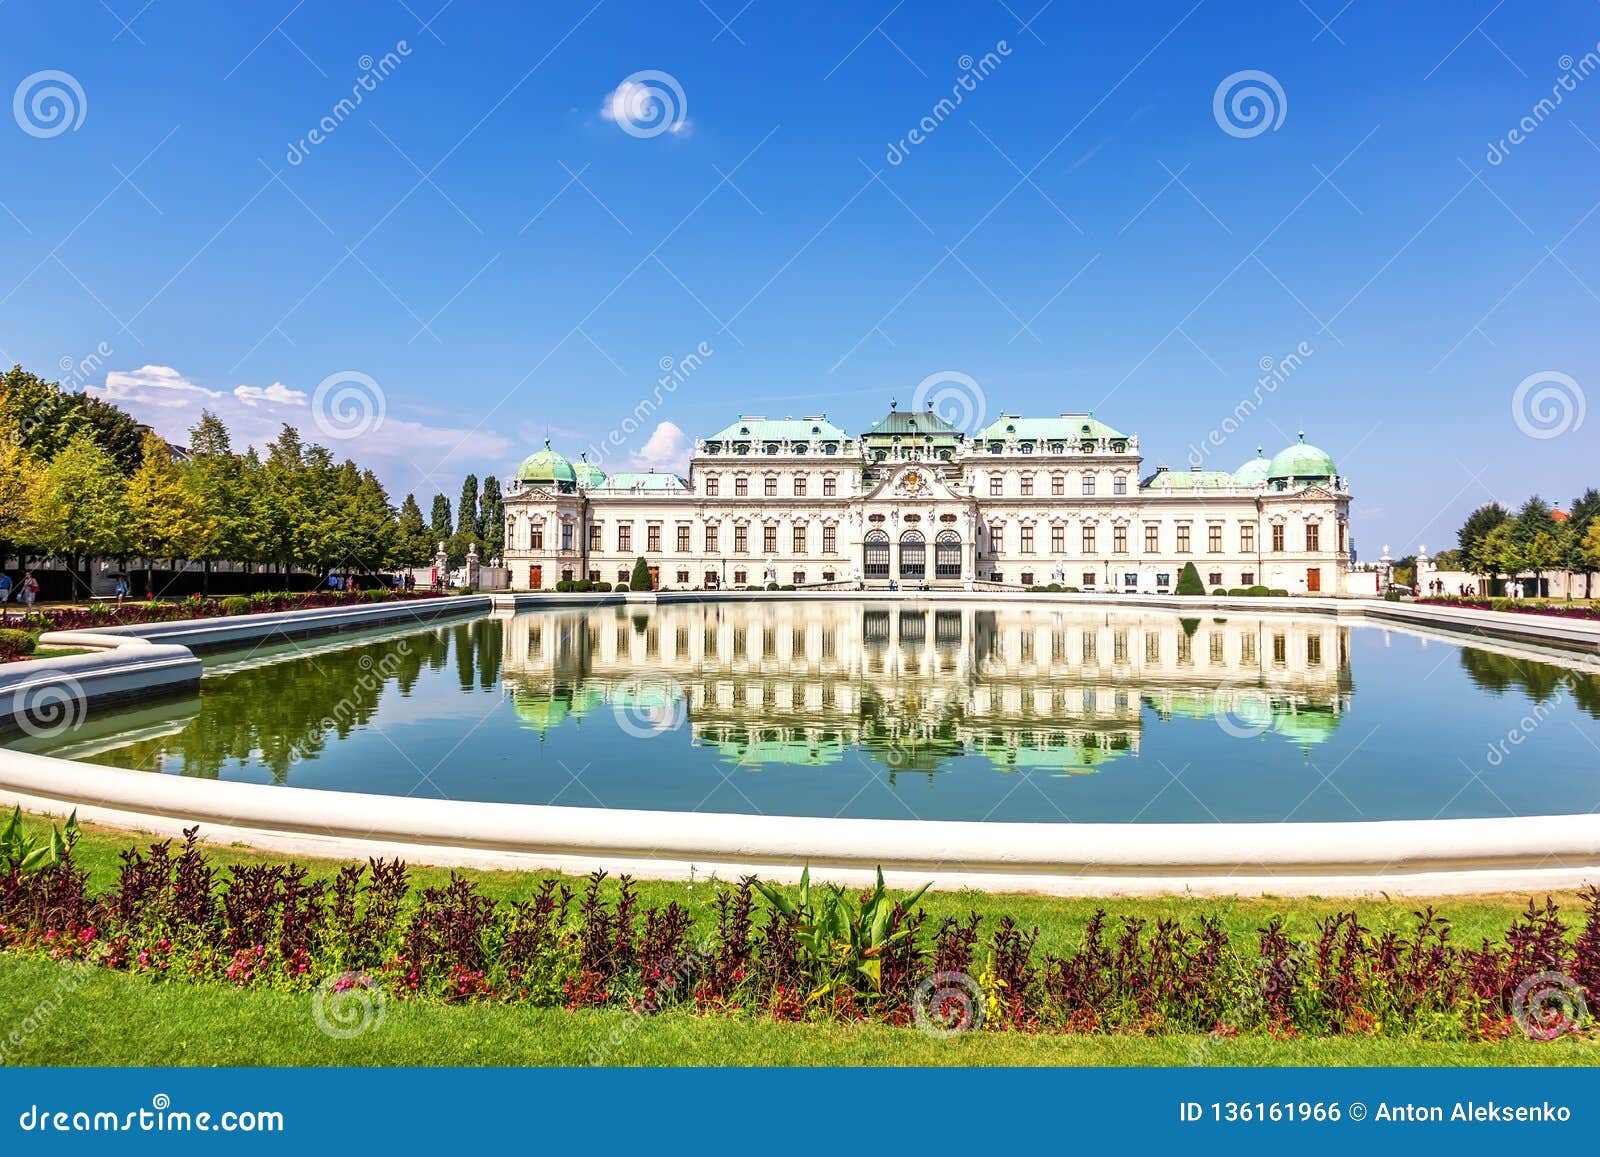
{"points": [[916, 502]]}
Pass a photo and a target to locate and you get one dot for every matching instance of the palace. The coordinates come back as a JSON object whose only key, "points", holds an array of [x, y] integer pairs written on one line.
{"points": [[916, 503]]}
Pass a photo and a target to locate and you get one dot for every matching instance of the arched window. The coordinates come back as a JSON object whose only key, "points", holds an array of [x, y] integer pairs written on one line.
{"points": [[875, 564], [913, 555], [947, 555]]}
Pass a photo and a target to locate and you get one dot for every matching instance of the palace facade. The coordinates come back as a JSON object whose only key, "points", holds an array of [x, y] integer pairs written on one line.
{"points": [[913, 502]]}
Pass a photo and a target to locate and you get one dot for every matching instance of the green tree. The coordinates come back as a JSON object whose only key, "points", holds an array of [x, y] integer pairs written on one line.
{"points": [[1538, 537], [1189, 581], [413, 544], [1502, 552], [1584, 514], [42, 418], [280, 500], [1475, 559], [467, 522], [166, 519], [216, 477], [21, 486], [82, 510], [640, 579], [1589, 547], [439, 521], [493, 519]]}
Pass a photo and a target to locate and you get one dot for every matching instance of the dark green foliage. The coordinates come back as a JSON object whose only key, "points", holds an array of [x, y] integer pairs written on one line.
{"points": [[1189, 581]]}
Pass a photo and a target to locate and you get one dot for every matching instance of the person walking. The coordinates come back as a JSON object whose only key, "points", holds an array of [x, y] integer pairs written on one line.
{"points": [[5, 588], [29, 591], [122, 589]]}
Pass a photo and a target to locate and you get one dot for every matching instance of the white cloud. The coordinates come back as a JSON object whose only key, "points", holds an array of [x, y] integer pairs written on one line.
{"points": [[160, 386], [667, 449], [650, 109], [277, 394]]}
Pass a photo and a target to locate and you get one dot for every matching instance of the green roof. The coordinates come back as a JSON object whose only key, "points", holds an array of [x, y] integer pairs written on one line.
{"points": [[650, 482], [1253, 472], [1301, 460], [588, 476], [1066, 428], [1188, 480], [546, 466], [758, 429], [912, 422]]}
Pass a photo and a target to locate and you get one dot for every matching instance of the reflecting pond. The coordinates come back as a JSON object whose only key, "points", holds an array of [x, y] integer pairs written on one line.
{"points": [[900, 710]]}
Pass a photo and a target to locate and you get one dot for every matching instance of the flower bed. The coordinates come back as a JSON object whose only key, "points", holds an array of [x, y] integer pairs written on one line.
{"points": [[1555, 610], [821, 954], [194, 607]]}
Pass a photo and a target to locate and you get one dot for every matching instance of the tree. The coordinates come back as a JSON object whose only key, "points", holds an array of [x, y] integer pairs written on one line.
{"points": [[1189, 581], [640, 579], [1583, 515], [42, 418], [166, 519], [216, 477], [1589, 547], [1470, 538], [439, 523], [467, 522], [413, 545], [493, 519], [82, 510], [1538, 538], [21, 485], [1501, 552]]}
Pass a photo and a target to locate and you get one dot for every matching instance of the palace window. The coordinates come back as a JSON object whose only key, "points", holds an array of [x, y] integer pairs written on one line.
{"points": [[830, 544], [947, 555], [1341, 535], [595, 531], [740, 578], [799, 485], [566, 536], [624, 538], [1088, 483], [741, 486], [1027, 581], [741, 540], [1119, 484], [1214, 539], [799, 538], [1183, 540], [683, 541], [536, 538], [683, 580], [913, 555], [712, 486], [711, 539], [1152, 538], [1027, 485], [996, 486], [1058, 539], [1027, 540], [1247, 539], [769, 538], [799, 581], [769, 486], [1313, 537], [594, 576], [875, 552], [997, 537], [1088, 540], [1058, 484], [1277, 537], [1248, 578], [1215, 578], [1088, 580], [622, 574], [830, 485], [1163, 580], [652, 538], [1119, 539]]}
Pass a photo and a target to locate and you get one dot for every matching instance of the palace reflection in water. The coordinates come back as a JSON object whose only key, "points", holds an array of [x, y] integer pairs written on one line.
{"points": [[803, 683]]}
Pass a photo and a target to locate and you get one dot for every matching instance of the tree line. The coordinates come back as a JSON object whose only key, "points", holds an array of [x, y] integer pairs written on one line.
{"points": [[1495, 541], [80, 479]]}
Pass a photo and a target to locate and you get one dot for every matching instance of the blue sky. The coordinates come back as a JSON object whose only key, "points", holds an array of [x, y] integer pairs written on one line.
{"points": [[483, 240]]}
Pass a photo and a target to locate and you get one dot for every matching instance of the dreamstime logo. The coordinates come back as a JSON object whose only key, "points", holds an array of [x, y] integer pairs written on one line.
{"points": [[347, 1005], [51, 707], [973, 72], [647, 104], [948, 1004], [373, 73], [1242, 712], [674, 372], [647, 708], [348, 404], [953, 396], [1548, 404], [1274, 373], [48, 103], [1248, 103], [1573, 73], [1548, 1005]]}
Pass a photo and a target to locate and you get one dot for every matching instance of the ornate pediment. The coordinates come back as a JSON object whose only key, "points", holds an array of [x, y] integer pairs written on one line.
{"points": [[915, 482]]}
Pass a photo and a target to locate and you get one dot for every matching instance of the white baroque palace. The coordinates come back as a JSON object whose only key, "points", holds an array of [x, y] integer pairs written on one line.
{"points": [[916, 503]]}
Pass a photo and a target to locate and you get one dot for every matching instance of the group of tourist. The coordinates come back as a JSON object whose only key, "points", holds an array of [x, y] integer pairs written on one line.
{"points": [[26, 591]]}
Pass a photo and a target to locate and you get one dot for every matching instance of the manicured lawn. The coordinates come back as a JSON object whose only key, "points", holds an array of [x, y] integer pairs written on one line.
{"points": [[115, 1018]]}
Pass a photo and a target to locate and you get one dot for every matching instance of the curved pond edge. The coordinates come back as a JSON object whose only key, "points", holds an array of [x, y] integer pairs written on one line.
{"points": [[1414, 857]]}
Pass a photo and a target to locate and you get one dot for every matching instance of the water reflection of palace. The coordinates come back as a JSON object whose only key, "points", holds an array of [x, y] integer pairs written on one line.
{"points": [[797, 682]]}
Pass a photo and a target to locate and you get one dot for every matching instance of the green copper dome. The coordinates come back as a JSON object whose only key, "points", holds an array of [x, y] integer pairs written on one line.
{"points": [[548, 467], [1301, 461], [1254, 472], [588, 476]]}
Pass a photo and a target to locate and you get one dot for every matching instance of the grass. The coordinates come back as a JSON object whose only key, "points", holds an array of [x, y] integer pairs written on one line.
{"points": [[113, 1018]]}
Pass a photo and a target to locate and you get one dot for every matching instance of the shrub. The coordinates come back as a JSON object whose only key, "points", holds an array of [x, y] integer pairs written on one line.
{"points": [[621, 587], [602, 587], [235, 605], [1258, 591], [772, 586], [787, 587], [1278, 593], [15, 644], [640, 579], [563, 586], [1219, 592], [1189, 581]]}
